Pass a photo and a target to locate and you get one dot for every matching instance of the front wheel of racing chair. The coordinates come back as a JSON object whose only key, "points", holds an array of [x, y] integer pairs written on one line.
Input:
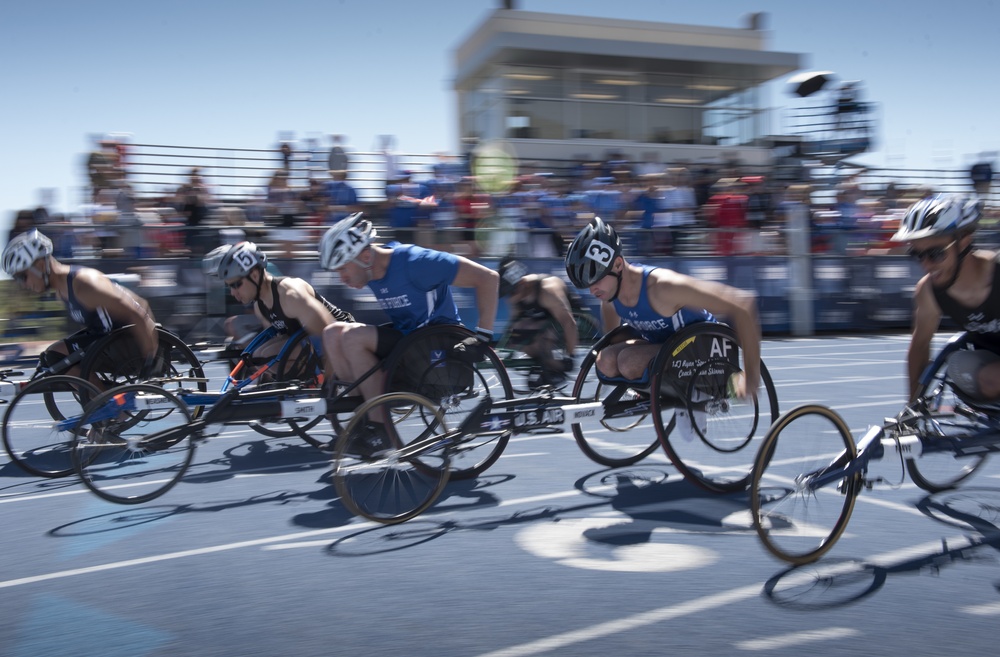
{"points": [[617, 434]]}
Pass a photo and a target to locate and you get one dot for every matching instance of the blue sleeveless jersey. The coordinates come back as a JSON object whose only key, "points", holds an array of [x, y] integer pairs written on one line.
{"points": [[651, 325], [415, 290]]}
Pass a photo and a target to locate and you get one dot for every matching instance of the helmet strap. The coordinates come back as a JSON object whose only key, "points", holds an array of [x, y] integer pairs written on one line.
{"points": [[366, 266], [958, 267], [618, 287], [258, 283], [46, 272]]}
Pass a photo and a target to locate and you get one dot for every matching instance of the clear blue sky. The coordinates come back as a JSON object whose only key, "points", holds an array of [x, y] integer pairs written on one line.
{"points": [[235, 74]]}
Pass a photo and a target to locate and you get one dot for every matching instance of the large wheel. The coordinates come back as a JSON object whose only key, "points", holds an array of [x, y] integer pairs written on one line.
{"points": [[588, 329], [135, 455], [302, 364], [796, 523], [34, 438], [404, 478], [938, 471], [421, 363], [619, 434], [710, 435], [114, 360]]}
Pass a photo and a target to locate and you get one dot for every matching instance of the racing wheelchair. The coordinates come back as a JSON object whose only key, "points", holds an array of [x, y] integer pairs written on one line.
{"points": [[809, 471], [40, 446], [134, 443], [692, 372]]}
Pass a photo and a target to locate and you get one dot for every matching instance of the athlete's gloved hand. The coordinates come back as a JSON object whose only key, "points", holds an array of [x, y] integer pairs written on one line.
{"points": [[152, 367], [473, 349], [568, 363]]}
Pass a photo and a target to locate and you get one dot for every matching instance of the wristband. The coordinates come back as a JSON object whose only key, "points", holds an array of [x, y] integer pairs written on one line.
{"points": [[484, 334]]}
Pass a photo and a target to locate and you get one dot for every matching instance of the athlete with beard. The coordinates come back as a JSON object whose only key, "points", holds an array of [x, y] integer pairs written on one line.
{"points": [[960, 283]]}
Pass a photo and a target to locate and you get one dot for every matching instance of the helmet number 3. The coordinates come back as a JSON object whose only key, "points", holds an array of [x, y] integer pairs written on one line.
{"points": [[601, 253]]}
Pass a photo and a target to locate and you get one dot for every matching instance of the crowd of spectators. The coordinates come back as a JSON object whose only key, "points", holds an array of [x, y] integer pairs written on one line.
{"points": [[660, 209]]}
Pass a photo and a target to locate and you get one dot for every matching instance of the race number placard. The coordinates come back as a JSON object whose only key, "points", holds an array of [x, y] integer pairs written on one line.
{"points": [[601, 253]]}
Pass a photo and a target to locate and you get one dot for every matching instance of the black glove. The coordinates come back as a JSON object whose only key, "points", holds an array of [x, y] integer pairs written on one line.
{"points": [[152, 367], [473, 349]]}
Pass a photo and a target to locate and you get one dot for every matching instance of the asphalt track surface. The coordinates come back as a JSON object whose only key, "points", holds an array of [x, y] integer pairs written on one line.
{"points": [[547, 553]]}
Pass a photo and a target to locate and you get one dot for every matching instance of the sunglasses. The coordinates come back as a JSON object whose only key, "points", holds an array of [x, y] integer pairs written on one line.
{"points": [[934, 254], [22, 276], [236, 284]]}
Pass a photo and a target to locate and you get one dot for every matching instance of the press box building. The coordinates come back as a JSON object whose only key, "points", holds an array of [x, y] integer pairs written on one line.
{"points": [[554, 86]]}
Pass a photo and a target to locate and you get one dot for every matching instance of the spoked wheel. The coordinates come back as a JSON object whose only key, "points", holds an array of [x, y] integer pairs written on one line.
{"points": [[40, 441], [938, 471], [391, 462], [421, 364], [457, 393], [619, 433], [588, 329], [710, 435], [114, 360], [795, 523], [133, 445]]}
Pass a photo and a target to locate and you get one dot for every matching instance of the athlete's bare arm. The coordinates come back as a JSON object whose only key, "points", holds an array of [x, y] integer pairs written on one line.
{"points": [[552, 297], [299, 302], [926, 320], [95, 290], [669, 291], [486, 283]]}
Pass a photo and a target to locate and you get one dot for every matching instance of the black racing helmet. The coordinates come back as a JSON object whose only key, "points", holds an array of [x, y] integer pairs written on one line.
{"points": [[511, 271], [592, 253]]}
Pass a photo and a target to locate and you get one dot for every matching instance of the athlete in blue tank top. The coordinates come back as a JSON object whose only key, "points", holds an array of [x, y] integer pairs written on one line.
{"points": [[650, 324], [413, 287], [656, 302]]}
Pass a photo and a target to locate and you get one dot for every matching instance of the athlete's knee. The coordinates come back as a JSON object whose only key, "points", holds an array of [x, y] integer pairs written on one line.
{"points": [[607, 363], [976, 373]]}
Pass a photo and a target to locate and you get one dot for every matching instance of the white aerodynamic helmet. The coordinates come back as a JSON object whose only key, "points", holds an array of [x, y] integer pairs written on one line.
{"points": [[345, 240], [941, 214], [24, 249], [240, 260], [210, 263]]}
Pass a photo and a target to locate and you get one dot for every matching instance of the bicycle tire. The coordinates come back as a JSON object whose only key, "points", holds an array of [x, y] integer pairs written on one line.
{"points": [[407, 370], [100, 363], [397, 483], [715, 447], [794, 523], [606, 439], [940, 471], [138, 457], [588, 328], [38, 445], [299, 357]]}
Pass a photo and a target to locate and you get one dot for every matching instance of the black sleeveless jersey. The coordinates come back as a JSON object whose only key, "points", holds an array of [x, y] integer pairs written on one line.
{"points": [[279, 320], [983, 321]]}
